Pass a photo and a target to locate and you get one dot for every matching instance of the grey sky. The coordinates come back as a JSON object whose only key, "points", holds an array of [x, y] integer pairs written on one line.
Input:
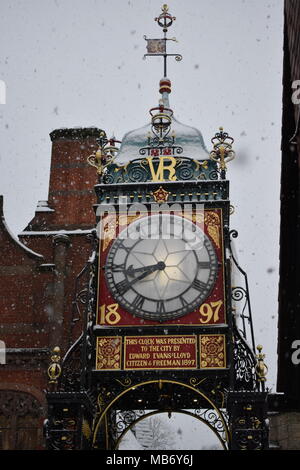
{"points": [[79, 63]]}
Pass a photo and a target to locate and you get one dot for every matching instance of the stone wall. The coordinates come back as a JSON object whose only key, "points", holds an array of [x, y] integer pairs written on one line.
{"points": [[285, 431]]}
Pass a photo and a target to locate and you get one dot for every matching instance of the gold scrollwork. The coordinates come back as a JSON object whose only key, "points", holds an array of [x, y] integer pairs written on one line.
{"points": [[125, 383], [212, 221], [195, 382], [103, 398]]}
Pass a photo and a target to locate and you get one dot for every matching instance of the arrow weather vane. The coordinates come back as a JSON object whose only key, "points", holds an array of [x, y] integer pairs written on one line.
{"points": [[158, 47]]}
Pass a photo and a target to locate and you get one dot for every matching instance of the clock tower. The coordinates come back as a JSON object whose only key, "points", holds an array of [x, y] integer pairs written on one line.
{"points": [[165, 327]]}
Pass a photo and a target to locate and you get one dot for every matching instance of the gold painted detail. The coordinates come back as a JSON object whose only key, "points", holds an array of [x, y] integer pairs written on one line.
{"points": [[261, 368], [212, 351], [222, 152], [158, 167], [212, 221], [108, 355], [108, 229], [160, 195], [195, 382], [165, 164], [86, 430], [105, 154], [54, 370], [125, 383]]}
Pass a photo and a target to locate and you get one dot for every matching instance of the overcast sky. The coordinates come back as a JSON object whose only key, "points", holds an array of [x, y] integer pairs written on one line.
{"points": [[74, 63]]}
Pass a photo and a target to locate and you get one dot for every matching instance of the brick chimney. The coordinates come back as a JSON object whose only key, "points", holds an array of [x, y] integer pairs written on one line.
{"points": [[72, 180]]}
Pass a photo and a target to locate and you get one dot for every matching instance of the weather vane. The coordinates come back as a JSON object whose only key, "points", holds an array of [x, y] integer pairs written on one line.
{"points": [[158, 47]]}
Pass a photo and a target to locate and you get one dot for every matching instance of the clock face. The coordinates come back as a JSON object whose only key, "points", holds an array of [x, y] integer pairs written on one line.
{"points": [[161, 267]]}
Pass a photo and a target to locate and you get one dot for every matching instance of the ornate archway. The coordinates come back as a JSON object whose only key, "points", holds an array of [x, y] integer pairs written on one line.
{"points": [[182, 412], [115, 417]]}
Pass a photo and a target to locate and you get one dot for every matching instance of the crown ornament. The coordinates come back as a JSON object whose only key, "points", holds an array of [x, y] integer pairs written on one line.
{"points": [[105, 154], [222, 151]]}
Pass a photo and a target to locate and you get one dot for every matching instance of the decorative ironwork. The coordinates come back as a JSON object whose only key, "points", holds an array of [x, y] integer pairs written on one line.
{"points": [[160, 141], [139, 170], [105, 154], [244, 364], [248, 420], [261, 368], [72, 367], [222, 152], [120, 421], [61, 434], [213, 419], [243, 355], [241, 294], [54, 370], [204, 395], [158, 47], [74, 361]]}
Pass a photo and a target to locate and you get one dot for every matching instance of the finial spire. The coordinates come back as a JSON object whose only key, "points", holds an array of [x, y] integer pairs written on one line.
{"points": [[222, 152], [158, 47]]}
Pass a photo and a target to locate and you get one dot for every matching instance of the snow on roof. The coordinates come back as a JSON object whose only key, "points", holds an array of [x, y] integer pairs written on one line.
{"points": [[77, 231], [17, 241], [42, 206]]}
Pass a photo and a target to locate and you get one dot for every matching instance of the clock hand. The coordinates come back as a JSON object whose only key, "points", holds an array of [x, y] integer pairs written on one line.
{"points": [[124, 285], [131, 270]]}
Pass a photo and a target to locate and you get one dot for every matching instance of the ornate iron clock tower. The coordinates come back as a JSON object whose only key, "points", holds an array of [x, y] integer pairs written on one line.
{"points": [[165, 328]]}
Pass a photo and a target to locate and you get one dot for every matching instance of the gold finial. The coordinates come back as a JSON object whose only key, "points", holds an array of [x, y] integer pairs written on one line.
{"points": [[261, 368], [165, 7], [105, 155], [54, 370], [222, 152]]}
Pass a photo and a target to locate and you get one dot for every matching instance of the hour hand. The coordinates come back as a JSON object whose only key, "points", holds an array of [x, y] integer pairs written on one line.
{"points": [[124, 285], [130, 271]]}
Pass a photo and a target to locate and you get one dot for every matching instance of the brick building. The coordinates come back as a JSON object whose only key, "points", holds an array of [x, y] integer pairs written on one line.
{"points": [[285, 423], [37, 274]]}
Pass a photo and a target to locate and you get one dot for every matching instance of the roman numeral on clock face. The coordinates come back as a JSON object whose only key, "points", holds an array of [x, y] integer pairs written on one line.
{"points": [[160, 307], [117, 268], [138, 301], [183, 301], [122, 286], [204, 264], [199, 285]]}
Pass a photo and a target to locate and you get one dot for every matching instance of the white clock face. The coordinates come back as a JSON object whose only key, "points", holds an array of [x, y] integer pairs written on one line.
{"points": [[161, 267]]}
